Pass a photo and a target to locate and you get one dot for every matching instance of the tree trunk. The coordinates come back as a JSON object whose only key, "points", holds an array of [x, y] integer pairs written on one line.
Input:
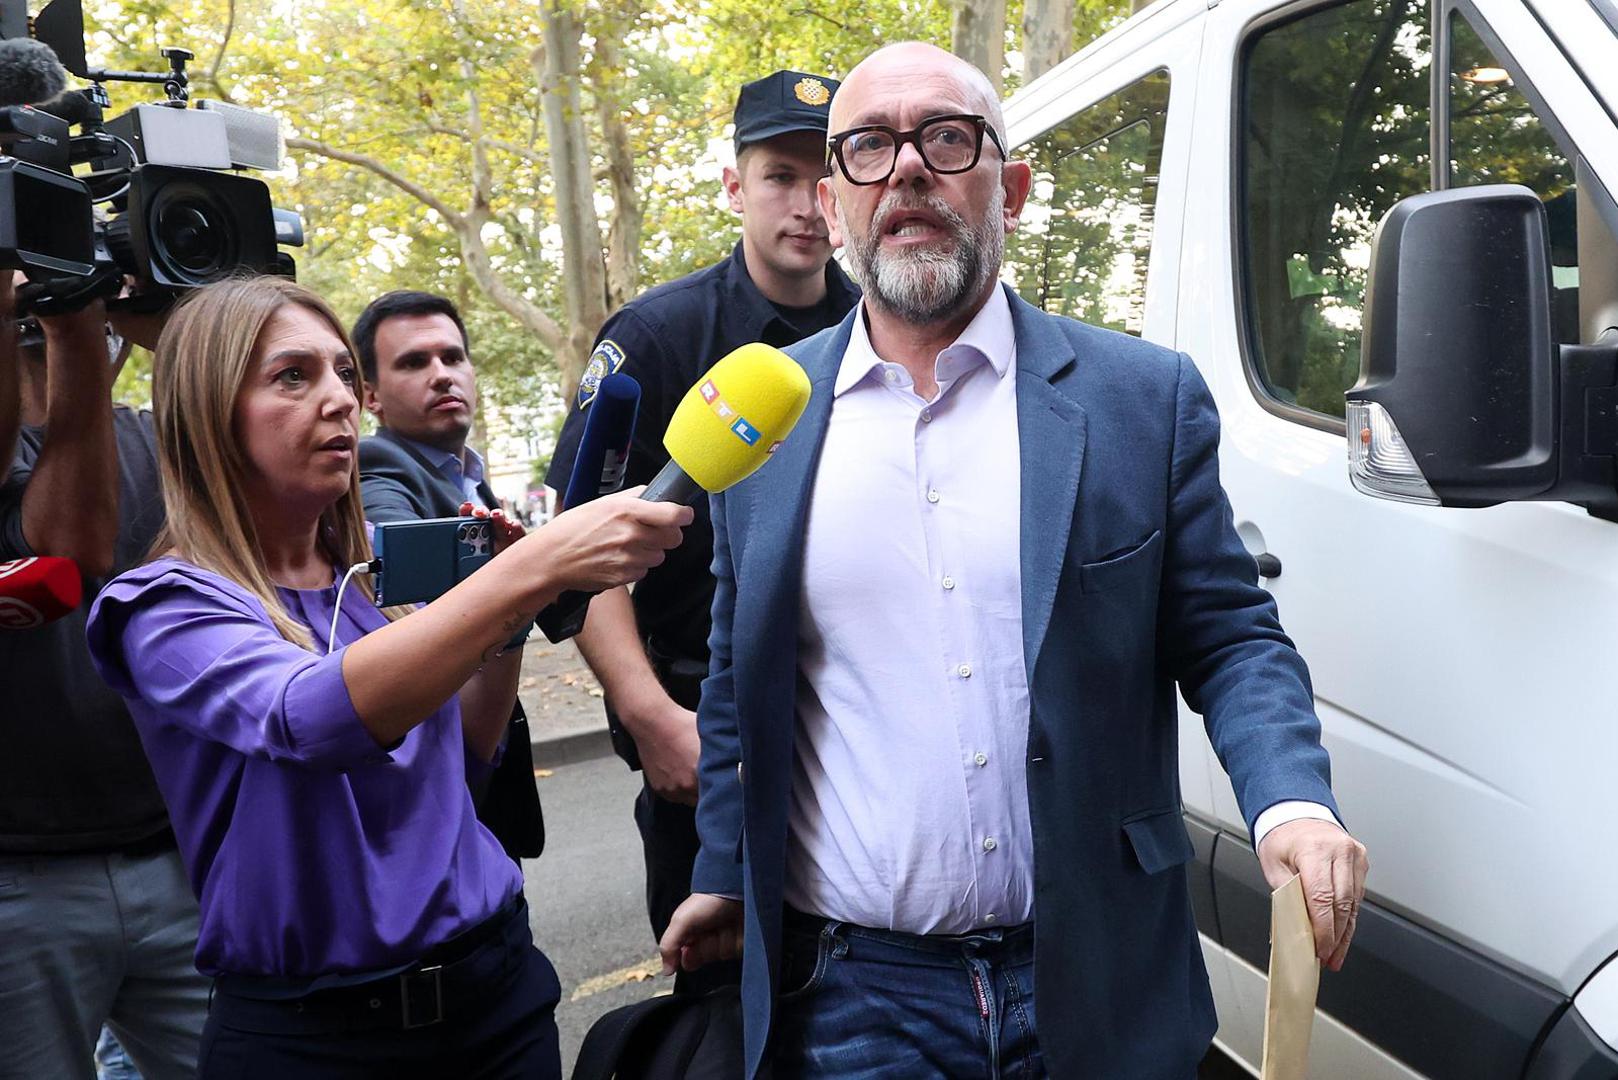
{"points": [[978, 36], [474, 253], [1047, 35], [624, 232], [584, 290]]}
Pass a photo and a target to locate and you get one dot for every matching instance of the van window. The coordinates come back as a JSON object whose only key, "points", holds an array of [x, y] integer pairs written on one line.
{"points": [[1085, 239], [1495, 138], [1335, 131]]}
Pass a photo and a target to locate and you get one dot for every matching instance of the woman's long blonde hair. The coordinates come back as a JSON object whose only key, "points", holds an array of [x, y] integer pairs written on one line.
{"points": [[201, 362]]}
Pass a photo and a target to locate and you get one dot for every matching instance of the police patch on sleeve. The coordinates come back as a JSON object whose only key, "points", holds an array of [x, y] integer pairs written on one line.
{"points": [[606, 359]]}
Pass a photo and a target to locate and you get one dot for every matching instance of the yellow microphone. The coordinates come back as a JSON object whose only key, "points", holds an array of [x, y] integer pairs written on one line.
{"points": [[730, 422]]}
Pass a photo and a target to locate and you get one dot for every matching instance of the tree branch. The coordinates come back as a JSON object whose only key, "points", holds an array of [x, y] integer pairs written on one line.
{"points": [[453, 218], [812, 13], [527, 153], [219, 57]]}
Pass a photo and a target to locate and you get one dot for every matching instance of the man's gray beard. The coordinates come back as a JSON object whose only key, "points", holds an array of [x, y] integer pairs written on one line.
{"points": [[926, 285]]}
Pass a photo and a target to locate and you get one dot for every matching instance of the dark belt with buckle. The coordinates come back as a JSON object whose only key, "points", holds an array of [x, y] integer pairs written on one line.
{"points": [[448, 979]]}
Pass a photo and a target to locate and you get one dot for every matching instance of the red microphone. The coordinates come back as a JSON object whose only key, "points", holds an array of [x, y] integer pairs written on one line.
{"points": [[35, 591]]}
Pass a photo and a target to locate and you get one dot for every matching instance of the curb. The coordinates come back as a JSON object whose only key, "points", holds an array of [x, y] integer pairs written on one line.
{"points": [[572, 748]]}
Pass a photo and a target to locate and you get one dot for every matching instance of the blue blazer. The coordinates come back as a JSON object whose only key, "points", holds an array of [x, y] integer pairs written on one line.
{"points": [[1133, 582]]}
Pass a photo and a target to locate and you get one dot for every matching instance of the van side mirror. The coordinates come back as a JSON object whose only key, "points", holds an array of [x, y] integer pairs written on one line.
{"points": [[1464, 397], [1457, 398]]}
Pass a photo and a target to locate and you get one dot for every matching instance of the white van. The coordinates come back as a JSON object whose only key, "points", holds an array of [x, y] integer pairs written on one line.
{"points": [[1211, 176]]}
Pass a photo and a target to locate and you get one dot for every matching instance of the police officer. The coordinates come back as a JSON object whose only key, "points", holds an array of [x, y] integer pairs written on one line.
{"points": [[778, 286]]}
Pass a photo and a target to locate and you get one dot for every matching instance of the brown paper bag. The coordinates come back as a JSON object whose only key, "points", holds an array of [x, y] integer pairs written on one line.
{"points": [[1294, 980]]}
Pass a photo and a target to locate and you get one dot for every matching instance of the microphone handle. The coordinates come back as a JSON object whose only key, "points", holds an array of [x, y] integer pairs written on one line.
{"points": [[565, 618], [672, 485]]}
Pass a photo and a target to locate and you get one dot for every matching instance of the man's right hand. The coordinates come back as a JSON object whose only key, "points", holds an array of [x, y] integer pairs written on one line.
{"points": [[705, 928], [666, 741]]}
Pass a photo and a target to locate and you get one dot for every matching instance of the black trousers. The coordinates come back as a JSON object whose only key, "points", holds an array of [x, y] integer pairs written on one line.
{"points": [[668, 830], [497, 1006]]}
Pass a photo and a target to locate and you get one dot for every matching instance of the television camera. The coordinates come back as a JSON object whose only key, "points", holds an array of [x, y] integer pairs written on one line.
{"points": [[157, 194]]}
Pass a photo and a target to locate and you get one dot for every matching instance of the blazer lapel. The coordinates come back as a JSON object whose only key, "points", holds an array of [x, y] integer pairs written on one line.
{"points": [[447, 493], [765, 624], [1050, 434]]}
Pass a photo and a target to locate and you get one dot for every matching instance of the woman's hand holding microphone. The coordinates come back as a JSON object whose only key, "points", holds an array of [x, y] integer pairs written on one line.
{"points": [[606, 542]]}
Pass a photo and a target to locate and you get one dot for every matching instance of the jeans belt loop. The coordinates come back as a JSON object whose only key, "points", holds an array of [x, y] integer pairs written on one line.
{"points": [[431, 976]]}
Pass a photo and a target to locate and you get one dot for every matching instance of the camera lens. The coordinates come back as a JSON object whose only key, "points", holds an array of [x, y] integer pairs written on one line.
{"points": [[188, 227], [192, 236]]}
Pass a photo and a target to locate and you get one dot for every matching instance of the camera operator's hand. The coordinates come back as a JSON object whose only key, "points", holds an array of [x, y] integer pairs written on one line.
{"points": [[77, 464], [609, 542], [76, 342]]}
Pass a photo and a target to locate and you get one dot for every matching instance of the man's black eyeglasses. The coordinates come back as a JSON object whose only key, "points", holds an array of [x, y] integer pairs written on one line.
{"points": [[947, 144]]}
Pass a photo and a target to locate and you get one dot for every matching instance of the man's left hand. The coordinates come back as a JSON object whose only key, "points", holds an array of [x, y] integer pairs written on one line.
{"points": [[1332, 866]]}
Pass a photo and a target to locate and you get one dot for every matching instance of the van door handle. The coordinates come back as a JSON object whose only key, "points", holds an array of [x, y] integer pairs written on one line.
{"points": [[1268, 565]]}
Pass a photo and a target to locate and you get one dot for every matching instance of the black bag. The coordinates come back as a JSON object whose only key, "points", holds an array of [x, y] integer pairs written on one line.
{"points": [[677, 1037]]}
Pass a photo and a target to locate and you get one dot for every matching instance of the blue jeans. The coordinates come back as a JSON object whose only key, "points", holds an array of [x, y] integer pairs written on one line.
{"points": [[858, 1002], [112, 1063], [92, 940]]}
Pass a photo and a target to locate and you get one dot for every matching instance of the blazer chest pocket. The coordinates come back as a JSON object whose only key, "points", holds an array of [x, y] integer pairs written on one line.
{"points": [[1159, 839], [1120, 569]]}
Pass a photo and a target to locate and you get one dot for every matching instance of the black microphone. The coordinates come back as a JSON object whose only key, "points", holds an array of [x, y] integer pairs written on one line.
{"points": [[598, 469], [30, 74]]}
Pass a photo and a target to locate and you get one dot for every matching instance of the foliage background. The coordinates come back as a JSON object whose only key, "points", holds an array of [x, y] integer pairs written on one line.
{"points": [[404, 84]]}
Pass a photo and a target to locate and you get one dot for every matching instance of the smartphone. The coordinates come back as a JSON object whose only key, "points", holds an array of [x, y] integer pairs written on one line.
{"points": [[422, 560]]}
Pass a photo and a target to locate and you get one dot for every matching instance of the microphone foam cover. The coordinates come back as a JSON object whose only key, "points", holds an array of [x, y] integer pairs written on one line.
{"points": [[732, 420], [29, 72]]}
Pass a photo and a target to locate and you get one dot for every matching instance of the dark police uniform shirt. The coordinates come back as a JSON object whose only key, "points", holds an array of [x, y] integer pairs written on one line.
{"points": [[666, 338]]}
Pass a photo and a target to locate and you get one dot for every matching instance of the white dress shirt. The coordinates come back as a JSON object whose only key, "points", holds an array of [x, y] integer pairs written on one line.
{"points": [[909, 802]]}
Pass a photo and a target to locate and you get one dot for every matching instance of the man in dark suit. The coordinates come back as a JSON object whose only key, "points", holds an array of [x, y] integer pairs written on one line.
{"points": [[940, 806], [421, 387]]}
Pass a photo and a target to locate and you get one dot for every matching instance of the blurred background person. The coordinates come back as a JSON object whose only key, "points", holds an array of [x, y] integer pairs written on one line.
{"points": [[358, 920], [421, 386]]}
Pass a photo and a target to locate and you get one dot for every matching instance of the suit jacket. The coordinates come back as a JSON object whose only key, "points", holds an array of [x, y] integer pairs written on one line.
{"points": [[1133, 581], [398, 484]]}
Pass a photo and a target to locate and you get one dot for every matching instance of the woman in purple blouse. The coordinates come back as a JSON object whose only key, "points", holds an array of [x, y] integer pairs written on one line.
{"points": [[359, 920]]}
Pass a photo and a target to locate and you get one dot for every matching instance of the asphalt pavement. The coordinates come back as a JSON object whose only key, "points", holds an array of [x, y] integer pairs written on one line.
{"points": [[586, 899]]}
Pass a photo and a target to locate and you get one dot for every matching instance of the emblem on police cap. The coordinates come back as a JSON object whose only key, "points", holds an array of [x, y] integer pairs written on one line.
{"points": [[811, 91], [606, 359]]}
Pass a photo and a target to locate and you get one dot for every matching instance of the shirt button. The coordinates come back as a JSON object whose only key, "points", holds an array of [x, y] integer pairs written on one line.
{"points": [[949, 582], [990, 917], [926, 416], [980, 758], [932, 495], [989, 844], [964, 671]]}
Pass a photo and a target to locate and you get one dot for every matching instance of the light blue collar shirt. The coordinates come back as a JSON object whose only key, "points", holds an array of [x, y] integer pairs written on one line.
{"points": [[465, 476]]}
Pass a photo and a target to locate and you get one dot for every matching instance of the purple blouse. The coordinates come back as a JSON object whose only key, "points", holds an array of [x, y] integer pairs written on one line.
{"points": [[312, 850]]}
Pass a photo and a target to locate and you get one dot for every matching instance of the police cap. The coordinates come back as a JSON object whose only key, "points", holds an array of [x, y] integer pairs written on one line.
{"points": [[784, 102]]}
